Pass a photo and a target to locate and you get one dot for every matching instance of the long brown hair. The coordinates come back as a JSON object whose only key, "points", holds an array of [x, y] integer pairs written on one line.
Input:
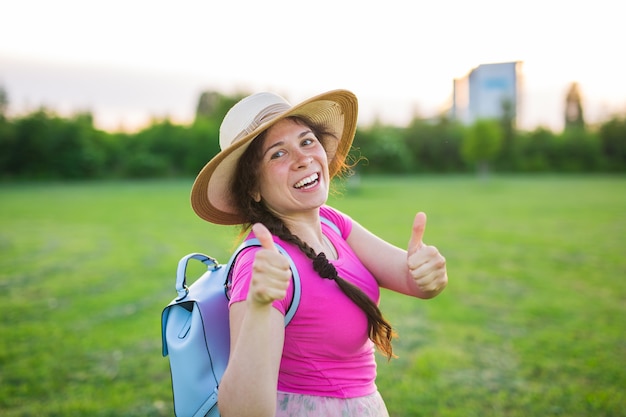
{"points": [[243, 187]]}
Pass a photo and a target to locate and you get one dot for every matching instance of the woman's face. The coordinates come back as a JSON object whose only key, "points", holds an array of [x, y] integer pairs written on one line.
{"points": [[293, 169]]}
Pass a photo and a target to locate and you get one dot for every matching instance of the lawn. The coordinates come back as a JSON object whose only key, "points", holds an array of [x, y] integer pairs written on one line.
{"points": [[531, 324]]}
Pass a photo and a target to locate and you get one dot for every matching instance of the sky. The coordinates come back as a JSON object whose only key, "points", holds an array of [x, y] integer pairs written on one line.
{"points": [[129, 61]]}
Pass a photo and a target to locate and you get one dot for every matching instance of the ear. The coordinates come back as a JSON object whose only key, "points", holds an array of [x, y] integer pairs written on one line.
{"points": [[256, 195]]}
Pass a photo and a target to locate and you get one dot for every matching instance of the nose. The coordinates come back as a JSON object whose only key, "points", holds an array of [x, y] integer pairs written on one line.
{"points": [[302, 160]]}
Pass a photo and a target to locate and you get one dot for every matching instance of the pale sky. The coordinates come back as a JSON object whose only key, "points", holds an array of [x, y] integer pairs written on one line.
{"points": [[129, 60]]}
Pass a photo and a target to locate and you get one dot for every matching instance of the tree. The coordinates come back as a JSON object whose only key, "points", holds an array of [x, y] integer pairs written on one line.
{"points": [[4, 101], [482, 143], [535, 151], [214, 106], [435, 144], [613, 141], [7, 135], [509, 132], [207, 104], [382, 149], [574, 118]]}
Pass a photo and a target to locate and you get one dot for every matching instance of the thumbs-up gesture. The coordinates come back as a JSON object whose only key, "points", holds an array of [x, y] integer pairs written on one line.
{"points": [[426, 265], [270, 271]]}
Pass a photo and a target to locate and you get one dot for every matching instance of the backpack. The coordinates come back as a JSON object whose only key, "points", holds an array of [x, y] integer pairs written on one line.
{"points": [[196, 332]]}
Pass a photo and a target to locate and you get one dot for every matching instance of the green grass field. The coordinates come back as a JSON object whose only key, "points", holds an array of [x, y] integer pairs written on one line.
{"points": [[533, 322]]}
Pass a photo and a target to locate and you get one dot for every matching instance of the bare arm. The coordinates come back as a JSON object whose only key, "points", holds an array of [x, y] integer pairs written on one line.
{"points": [[248, 388], [419, 271]]}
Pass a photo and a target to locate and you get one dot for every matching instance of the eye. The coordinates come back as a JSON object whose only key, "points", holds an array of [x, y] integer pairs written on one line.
{"points": [[308, 141], [277, 154]]}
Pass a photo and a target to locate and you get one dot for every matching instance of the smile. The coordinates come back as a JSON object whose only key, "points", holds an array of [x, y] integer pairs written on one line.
{"points": [[307, 182]]}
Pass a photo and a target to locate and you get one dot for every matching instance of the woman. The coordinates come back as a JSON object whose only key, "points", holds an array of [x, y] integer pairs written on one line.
{"points": [[273, 177]]}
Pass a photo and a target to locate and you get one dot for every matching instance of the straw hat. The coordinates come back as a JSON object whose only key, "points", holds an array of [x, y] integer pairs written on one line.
{"points": [[211, 192]]}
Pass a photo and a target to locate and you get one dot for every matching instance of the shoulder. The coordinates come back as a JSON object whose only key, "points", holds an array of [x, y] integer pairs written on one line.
{"points": [[340, 220]]}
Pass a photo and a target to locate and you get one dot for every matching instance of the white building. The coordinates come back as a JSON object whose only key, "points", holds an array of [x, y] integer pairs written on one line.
{"points": [[485, 90]]}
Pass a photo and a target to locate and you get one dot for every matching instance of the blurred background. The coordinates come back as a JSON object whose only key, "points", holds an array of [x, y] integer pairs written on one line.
{"points": [[138, 88], [531, 323]]}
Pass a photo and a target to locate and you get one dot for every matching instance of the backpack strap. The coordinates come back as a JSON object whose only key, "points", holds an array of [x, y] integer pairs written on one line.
{"points": [[181, 271], [332, 225], [297, 286]]}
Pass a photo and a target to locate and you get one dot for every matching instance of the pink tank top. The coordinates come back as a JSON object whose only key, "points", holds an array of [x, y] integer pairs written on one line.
{"points": [[327, 351]]}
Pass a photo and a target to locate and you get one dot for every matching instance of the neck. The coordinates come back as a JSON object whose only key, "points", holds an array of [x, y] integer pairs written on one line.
{"points": [[307, 227]]}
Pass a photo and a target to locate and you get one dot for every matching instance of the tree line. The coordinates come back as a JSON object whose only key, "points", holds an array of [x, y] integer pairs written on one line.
{"points": [[43, 145]]}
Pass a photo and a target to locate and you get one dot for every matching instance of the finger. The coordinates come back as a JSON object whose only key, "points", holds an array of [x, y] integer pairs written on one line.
{"points": [[264, 236], [421, 256], [417, 234], [431, 272], [432, 283], [431, 261]]}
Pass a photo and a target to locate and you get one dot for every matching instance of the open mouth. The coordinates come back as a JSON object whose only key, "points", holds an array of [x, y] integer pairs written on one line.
{"points": [[307, 182]]}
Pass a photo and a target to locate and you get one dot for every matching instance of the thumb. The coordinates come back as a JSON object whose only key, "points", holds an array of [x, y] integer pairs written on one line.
{"points": [[264, 236], [417, 234]]}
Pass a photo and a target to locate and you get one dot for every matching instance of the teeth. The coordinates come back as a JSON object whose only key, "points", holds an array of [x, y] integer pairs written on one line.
{"points": [[306, 181]]}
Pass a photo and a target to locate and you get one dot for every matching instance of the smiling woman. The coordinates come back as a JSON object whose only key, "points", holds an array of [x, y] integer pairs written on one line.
{"points": [[292, 153], [272, 177]]}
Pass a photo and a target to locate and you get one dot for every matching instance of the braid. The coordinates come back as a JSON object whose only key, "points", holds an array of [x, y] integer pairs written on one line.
{"points": [[380, 330], [324, 268]]}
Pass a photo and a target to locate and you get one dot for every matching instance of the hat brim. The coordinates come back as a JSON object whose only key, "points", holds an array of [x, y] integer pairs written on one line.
{"points": [[211, 198]]}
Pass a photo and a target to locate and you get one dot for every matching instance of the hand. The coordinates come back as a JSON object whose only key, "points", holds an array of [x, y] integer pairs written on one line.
{"points": [[426, 265], [270, 271]]}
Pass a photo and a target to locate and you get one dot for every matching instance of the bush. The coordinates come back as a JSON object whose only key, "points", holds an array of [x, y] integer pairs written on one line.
{"points": [[44, 145]]}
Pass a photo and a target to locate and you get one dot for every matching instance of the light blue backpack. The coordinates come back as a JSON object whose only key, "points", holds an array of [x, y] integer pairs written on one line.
{"points": [[196, 332]]}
